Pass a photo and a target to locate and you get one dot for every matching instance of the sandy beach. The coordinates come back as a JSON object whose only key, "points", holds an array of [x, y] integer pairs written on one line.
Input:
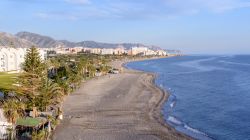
{"points": [[123, 106]]}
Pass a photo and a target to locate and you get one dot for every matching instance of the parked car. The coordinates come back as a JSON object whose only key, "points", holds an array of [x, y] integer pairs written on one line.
{"points": [[114, 71]]}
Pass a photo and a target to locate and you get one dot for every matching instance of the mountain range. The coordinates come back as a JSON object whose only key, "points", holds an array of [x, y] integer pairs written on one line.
{"points": [[7, 39], [27, 39]]}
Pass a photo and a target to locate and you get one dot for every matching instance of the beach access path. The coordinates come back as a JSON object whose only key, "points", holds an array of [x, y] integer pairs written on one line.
{"points": [[123, 106]]}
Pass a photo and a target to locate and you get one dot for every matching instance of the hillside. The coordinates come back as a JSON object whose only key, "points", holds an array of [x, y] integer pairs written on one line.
{"points": [[48, 42], [7, 39], [39, 40], [27, 39]]}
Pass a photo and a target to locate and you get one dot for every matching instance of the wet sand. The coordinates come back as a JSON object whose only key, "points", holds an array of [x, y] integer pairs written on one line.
{"points": [[123, 106]]}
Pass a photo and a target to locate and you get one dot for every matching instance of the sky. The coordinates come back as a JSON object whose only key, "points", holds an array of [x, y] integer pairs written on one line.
{"points": [[193, 26]]}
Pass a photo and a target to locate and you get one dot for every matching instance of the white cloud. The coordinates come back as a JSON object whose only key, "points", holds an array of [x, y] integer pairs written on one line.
{"points": [[57, 16], [140, 9], [42, 15], [78, 1], [205, 5]]}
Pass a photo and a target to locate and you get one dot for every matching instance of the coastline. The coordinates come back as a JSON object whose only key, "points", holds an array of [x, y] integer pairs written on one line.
{"points": [[156, 111], [138, 109]]}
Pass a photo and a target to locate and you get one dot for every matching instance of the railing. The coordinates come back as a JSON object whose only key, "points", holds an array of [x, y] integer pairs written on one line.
{"points": [[4, 134]]}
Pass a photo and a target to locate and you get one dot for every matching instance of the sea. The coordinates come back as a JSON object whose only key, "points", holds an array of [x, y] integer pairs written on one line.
{"points": [[209, 95]]}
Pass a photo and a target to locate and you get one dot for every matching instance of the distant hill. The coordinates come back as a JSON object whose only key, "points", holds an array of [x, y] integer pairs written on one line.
{"points": [[27, 39], [7, 39], [48, 42], [39, 40]]}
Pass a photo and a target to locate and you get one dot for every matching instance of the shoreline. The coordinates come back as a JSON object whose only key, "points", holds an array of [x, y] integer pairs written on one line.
{"points": [[159, 108], [123, 106], [156, 112]]}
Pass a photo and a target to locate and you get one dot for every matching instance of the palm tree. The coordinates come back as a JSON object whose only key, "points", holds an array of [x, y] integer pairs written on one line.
{"points": [[82, 66], [91, 69], [41, 135], [51, 94], [13, 109], [65, 87], [52, 66]]}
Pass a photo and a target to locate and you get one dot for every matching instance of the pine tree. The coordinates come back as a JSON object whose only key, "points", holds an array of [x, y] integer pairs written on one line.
{"points": [[33, 63], [32, 78]]}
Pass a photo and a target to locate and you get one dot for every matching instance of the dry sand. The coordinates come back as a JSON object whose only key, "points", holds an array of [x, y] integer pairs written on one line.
{"points": [[123, 106]]}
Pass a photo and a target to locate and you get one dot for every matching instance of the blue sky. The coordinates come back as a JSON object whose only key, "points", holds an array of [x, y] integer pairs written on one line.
{"points": [[194, 26]]}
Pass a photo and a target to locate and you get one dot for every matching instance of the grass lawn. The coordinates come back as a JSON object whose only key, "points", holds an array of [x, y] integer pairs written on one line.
{"points": [[28, 122], [7, 80]]}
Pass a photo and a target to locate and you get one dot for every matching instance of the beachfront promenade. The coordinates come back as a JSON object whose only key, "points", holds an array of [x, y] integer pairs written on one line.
{"points": [[115, 107]]}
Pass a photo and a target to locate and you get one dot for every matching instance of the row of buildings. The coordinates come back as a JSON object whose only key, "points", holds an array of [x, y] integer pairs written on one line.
{"points": [[11, 58], [144, 51]]}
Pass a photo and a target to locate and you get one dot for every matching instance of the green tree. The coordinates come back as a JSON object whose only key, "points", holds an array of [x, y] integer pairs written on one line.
{"points": [[51, 94], [30, 81], [92, 70], [33, 63], [13, 109], [40, 135]]}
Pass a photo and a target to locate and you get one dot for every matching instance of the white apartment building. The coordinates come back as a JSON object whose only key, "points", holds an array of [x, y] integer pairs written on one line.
{"points": [[78, 49], [95, 51], [138, 50], [74, 50], [61, 50], [106, 51], [11, 59], [161, 53], [92, 50], [150, 52], [119, 51]]}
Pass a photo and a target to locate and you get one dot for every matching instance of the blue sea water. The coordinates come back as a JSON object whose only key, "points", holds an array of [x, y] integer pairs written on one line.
{"points": [[210, 95]]}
